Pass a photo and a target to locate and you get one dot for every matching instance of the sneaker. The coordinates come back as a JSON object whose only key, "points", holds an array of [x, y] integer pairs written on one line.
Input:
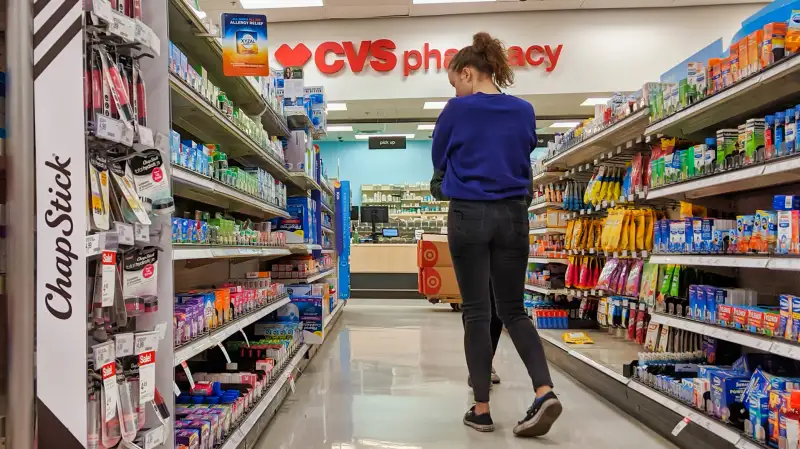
{"points": [[540, 417], [481, 423], [495, 377]]}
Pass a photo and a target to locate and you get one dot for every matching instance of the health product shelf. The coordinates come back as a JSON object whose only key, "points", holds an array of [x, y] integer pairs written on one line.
{"points": [[307, 280], [328, 251], [545, 231], [547, 177], [303, 181], [547, 260], [303, 248], [545, 291], [617, 134], [326, 186], [191, 349], [189, 251], [327, 229], [772, 173], [187, 31], [770, 88], [326, 208], [193, 113], [331, 318], [545, 205], [773, 345], [787, 263], [238, 435], [606, 356], [188, 184]]}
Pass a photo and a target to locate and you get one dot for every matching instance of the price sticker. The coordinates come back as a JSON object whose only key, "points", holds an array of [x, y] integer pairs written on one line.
{"points": [[161, 142], [108, 128], [188, 373], [161, 330], [141, 233], [108, 279], [123, 344], [224, 352], [102, 9], [110, 394], [92, 245], [154, 438], [128, 133], [680, 426], [146, 136], [122, 26], [124, 233], [145, 345], [142, 33]]}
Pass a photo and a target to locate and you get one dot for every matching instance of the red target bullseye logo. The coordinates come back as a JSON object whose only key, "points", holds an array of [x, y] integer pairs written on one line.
{"points": [[429, 252], [433, 282]]}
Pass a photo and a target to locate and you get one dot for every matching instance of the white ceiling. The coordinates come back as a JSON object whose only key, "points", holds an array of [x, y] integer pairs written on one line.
{"points": [[361, 9]]}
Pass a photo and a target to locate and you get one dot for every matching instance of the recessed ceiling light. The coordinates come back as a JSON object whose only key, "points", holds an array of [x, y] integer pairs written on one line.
{"points": [[565, 124], [434, 105], [339, 128], [425, 127], [337, 106], [425, 2], [266, 4], [594, 101], [367, 136]]}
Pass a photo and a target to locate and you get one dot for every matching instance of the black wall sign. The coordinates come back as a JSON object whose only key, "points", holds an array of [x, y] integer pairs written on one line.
{"points": [[387, 143], [542, 139]]}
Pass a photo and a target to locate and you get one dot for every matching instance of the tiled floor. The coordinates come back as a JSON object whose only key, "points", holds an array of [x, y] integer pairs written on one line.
{"points": [[392, 376]]}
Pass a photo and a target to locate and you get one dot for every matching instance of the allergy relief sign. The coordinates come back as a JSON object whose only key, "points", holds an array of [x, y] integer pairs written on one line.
{"points": [[382, 55], [244, 45]]}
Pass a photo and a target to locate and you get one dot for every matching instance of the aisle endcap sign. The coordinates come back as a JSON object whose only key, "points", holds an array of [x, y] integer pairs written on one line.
{"points": [[332, 57]]}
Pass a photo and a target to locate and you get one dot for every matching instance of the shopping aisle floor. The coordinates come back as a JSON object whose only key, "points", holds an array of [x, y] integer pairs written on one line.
{"points": [[393, 376]]}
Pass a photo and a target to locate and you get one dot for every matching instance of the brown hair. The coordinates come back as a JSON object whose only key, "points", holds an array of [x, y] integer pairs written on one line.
{"points": [[487, 55]]}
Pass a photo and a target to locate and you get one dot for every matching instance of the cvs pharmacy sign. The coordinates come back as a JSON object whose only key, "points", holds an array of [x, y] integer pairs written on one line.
{"points": [[382, 55]]}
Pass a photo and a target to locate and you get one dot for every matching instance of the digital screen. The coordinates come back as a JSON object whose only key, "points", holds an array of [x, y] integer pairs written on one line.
{"points": [[390, 232]]}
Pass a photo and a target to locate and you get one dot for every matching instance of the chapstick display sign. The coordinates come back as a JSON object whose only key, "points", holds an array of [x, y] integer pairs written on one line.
{"points": [[244, 45], [382, 55]]}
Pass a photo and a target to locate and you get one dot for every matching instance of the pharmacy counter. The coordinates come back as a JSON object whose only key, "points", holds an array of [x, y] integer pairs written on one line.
{"points": [[384, 270]]}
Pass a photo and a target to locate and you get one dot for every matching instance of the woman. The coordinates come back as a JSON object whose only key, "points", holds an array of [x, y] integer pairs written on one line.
{"points": [[496, 326], [482, 143]]}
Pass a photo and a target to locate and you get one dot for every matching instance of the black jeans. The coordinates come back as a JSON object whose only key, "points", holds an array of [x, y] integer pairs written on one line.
{"points": [[489, 239], [495, 326]]}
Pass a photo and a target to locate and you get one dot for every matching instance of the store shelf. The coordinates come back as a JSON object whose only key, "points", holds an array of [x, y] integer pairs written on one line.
{"points": [[786, 263], [303, 248], [188, 184], [189, 252], [326, 186], [188, 33], [547, 177], [546, 291], [193, 348], [773, 345], [303, 181], [328, 251], [307, 280], [193, 113], [775, 172], [238, 435], [615, 135], [327, 229], [545, 205], [331, 318], [547, 260], [771, 88], [546, 231], [326, 208]]}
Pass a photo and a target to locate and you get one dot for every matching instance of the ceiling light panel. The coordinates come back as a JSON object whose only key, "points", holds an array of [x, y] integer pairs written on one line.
{"points": [[367, 136], [337, 107], [428, 2], [271, 4], [565, 124], [434, 105], [339, 128], [594, 101], [426, 127]]}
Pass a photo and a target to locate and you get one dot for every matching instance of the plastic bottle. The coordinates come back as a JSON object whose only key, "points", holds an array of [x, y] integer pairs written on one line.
{"points": [[769, 137], [790, 131], [709, 156], [780, 148]]}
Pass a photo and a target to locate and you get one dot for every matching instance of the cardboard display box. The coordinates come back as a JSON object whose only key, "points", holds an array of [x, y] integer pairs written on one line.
{"points": [[433, 254], [438, 281]]}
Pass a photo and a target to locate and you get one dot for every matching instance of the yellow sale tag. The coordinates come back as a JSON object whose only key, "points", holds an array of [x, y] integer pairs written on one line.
{"points": [[576, 338]]}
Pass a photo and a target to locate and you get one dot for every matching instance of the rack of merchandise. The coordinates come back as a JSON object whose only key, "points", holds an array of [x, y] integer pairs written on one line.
{"points": [[680, 198], [404, 200]]}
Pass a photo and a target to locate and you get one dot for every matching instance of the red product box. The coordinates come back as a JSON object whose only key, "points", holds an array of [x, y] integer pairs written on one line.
{"points": [[725, 315], [755, 321], [771, 323], [740, 317]]}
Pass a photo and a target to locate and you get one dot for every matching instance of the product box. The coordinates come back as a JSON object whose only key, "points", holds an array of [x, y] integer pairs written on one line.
{"points": [[309, 311], [774, 39], [433, 253], [727, 387], [438, 281], [758, 424], [298, 227], [295, 147], [754, 42]]}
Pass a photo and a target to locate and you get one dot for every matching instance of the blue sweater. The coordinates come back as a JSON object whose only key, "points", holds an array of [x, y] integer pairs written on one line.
{"points": [[483, 143]]}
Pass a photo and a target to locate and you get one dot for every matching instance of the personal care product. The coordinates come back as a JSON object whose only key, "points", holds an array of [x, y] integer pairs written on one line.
{"points": [[773, 47], [790, 131]]}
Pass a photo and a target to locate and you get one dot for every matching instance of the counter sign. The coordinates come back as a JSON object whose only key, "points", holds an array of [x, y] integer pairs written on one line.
{"points": [[387, 143]]}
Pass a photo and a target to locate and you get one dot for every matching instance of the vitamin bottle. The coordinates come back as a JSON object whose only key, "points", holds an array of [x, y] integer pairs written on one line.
{"points": [[780, 148], [769, 141], [790, 131]]}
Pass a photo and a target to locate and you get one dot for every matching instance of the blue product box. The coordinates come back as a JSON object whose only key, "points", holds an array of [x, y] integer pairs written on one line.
{"points": [[677, 236], [693, 309], [697, 235], [727, 387], [174, 146], [795, 318], [665, 233], [176, 230], [183, 70], [174, 58], [707, 235], [657, 236], [785, 322], [308, 311], [758, 408], [185, 230], [688, 240], [720, 297], [184, 162], [710, 294], [786, 202]]}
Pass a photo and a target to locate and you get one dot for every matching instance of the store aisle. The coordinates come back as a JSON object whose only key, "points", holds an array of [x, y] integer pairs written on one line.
{"points": [[393, 376]]}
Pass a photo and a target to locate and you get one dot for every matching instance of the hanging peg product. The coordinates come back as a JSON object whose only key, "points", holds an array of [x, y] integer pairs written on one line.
{"points": [[116, 85], [132, 208], [99, 186]]}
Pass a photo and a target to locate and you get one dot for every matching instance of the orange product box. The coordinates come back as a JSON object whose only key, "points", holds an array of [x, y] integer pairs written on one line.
{"points": [[734, 61], [774, 38], [743, 60], [439, 281], [754, 41], [222, 302], [726, 78], [714, 75], [433, 254]]}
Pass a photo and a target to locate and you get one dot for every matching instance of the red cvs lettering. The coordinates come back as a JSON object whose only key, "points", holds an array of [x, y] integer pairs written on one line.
{"points": [[330, 57]]}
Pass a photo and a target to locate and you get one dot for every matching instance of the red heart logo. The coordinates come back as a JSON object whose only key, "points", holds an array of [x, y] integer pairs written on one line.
{"points": [[293, 57]]}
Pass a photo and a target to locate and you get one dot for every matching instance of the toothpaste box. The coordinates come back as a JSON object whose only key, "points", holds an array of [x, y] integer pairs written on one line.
{"points": [[727, 387]]}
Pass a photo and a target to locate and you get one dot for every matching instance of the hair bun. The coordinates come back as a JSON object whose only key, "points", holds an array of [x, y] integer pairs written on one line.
{"points": [[482, 41]]}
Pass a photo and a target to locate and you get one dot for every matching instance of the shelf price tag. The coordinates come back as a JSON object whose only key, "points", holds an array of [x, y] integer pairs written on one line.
{"points": [[122, 26], [146, 136], [102, 9], [108, 128], [128, 133], [105, 362], [108, 279], [141, 233], [92, 245], [124, 233], [154, 438], [145, 346], [124, 344], [188, 373]]}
